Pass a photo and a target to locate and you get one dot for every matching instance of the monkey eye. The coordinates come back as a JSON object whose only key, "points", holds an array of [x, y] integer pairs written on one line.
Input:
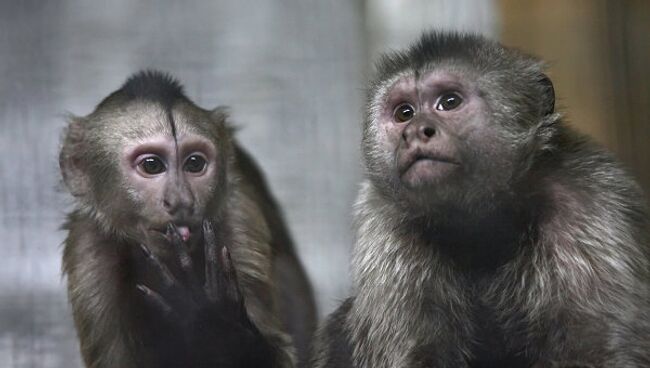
{"points": [[404, 112], [152, 165], [195, 164], [448, 101]]}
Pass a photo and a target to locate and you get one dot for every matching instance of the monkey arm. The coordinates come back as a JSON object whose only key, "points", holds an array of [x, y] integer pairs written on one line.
{"points": [[97, 296], [210, 317]]}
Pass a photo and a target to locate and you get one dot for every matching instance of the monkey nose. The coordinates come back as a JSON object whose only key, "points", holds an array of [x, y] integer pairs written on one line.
{"points": [[177, 207], [419, 131], [426, 132], [170, 206]]}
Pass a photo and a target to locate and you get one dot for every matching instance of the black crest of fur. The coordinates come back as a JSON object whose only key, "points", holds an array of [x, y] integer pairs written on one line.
{"points": [[153, 85], [434, 46], [148, 85]]}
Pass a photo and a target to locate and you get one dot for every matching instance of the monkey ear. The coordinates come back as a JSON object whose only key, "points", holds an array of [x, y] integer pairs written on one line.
{"points": [[220, 114], [548, 99], [71, 158]]}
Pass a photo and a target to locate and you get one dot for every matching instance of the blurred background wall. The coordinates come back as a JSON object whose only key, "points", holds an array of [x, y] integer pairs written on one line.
{"points": [[294, 73], [598, 53]]}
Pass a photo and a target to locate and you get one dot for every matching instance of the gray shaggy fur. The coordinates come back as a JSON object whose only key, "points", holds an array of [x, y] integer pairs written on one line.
{"points": [[571, 287], [97, 258]]}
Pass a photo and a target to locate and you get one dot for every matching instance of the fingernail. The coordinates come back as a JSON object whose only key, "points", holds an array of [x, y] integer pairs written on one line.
{"points": [[225, 254], [145, 250]]}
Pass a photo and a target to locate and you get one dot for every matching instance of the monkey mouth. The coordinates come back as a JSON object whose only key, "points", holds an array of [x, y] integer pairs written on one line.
{"points": [[419, 157], [184, 231], [417, 167], [425, 157]]}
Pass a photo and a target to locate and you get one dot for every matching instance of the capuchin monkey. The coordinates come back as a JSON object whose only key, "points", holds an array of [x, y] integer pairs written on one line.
{"points": [[489, 234], [176, 254]]}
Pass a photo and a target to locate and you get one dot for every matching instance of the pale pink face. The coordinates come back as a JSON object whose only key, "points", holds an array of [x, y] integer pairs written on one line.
{"points": [[170, 178], [170, 172], [435, 130]]}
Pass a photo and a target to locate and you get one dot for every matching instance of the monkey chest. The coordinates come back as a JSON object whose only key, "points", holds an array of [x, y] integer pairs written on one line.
{"points": [[494, 345]]}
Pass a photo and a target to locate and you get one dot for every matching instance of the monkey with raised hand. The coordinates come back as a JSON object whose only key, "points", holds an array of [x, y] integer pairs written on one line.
{"points": [[489, 234], [176, 254]]}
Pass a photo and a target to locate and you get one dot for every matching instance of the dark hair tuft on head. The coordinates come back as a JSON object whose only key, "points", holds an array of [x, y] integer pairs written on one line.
{"points": [[153, 85], [434, 45]]}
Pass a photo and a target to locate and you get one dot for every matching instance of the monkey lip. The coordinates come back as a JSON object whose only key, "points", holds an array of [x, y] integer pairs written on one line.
{"points": [[419, 157], [425, 157], [418, 167], [184, 231]]}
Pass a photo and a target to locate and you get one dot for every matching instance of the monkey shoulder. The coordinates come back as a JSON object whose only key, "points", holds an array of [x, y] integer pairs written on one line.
{"points": [[96, 291], [253, 185], [586, 165], [590, 204], [87, 251], [587, 178], [267, 231], [333, 347]]}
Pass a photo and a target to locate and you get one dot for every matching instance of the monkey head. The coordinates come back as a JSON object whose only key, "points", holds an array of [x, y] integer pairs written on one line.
{"points": [[454, 121], [147, 157]]}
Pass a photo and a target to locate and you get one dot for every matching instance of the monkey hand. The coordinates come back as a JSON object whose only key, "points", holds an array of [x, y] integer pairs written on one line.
{"points": [[209, 316]]}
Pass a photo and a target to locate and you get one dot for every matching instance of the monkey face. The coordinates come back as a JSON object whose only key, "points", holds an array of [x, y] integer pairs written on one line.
{"points": [[144, 166], [168, 180], [174, 175], [430, 137]]}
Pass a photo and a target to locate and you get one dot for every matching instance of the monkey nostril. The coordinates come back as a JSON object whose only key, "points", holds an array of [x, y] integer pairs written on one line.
{"points": [[168, 205], [428, 132]]}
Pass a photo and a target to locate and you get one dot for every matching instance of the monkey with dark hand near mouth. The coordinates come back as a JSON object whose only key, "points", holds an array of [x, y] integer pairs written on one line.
{"points": [[176, 254], [489, 234], [196, 321]]}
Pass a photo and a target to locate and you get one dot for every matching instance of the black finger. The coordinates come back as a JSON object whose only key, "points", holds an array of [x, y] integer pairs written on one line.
{"points": [[229, 282], [211, 261], [155, 299], [181, 250], [167, 276]]}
